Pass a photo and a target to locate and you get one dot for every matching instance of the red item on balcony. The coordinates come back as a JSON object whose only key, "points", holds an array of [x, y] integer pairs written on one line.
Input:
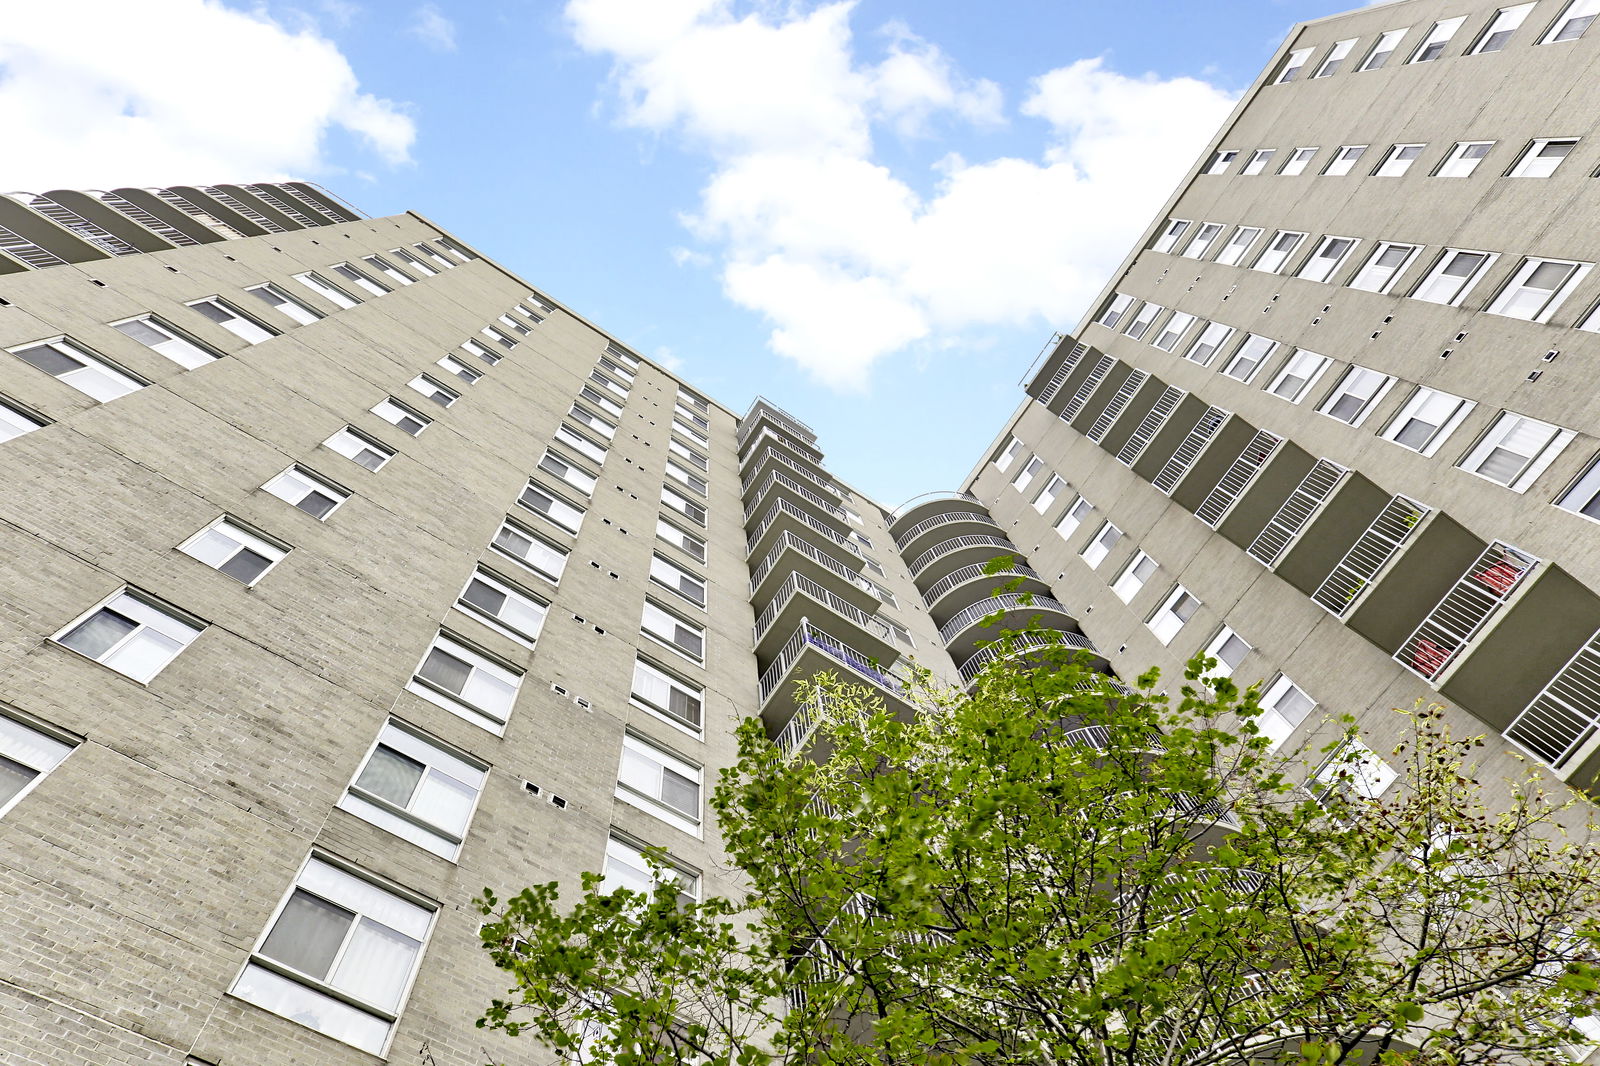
{"points": [[1428, 658]]}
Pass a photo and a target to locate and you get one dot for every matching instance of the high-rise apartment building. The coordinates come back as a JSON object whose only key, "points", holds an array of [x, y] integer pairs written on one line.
{"points": [[346, 573]]}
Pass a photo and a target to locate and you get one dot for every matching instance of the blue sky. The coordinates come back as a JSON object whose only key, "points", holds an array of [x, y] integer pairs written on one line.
{"points": [[874, 214]]}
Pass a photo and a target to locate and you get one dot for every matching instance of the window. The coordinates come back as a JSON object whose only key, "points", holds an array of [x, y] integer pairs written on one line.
{"points": [[1094, 553], [1382, 49], [1205, 346], [1427, 418], [1048, 494], [1581, 497], [1452, 277], [474, 348], [659, 691], [600, 379], [1008, 454], [1115, 309], [1133, 576], [27, 753], [1171, 616], [1352, 769], [1292, 65], [605, 403], [402, 417], [417, 788], [246, 329], [889, 598], [467, 683], [1141, 321], [1197, 246], [680, 473], [678, 580], [1221, 161], [451, 365], [688, 542], [90, 375], [1248, 359], [360, 280], [1025, 475], [359, 449], [388, 269], [1355, 395], [1344, 160], [14, 422], [674, 631], [434, 391], [656, 781], [559, 511], [236, 551], [1496, 35], [873, 565], [579, 443], [413, 262], [616, 368], [692, 433], [503, 339], [626, 867], [1284, 705], [1386, 263], [513, 325], [1229, 649], [1516, 450], [326, 289], [683, 413], [1432, 46], [1298, 160], [307, 491], [556, 466], [1335, 58], [694, 512], [1233, 252], [1282, 245], [1536, 290], [1298, 375], [338, 956], [1171, 333], [1258, 160], [433, 255], [1463, 159], [1322, 262], [503, 607], [1541, 157], [286, 305], [160, 337], [1572, 22], [584, 416], [132, 634], [1397, 160], [1176, 227]]}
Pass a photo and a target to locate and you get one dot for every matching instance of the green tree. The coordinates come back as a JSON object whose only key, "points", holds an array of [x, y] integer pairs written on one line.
{"points": [[1053, 868]]}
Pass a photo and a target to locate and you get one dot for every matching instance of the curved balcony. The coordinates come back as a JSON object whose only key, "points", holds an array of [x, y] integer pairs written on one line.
{"points": [[962, 633], [917, 508], [948, 523], [1020, 646], [966, 586], [950, 555]]}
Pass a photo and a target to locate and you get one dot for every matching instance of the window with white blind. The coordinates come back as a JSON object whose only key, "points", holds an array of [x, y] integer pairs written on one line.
{"points": [[659, 691], [72, 365], [1258, 160], [1434, 41], [1573, 21], [388, 270], [1583, 495], [627, 867], [284, 304], [1007, 454], [166, 340], [1334, 59], [605, 403], [434, 391], [1352, 770], [688, 454], [473, 348], [1463, 159], [575, 476], [1073, 516], [1173, 614], [359, 448], [1221, 161], [1537, 289], [1277, 251], [1453, 276], [418, 788], [1234, 251], [1298, 375], [687, 542], [1541, 158], [1322, 262], [1170, 233], [1298, 160], [413, 262], [1344, 160], [1115, 308], [589, 449], [229, 547], [680, 503], [1201, 241], [29, 750], [1133, 577], [1208, 343], [1295, 62], [1172, 332], [1094, 553], [467, 683], [14, 422], [687, 478], [1384, 266], [313, 495], [675, 632], [1284, 705], [1141, 321], [1498, 33], [1229, 649], [566, 515], [1255, 350], [132, 634], [1382, 49], [531, 550], [402, 417], [327, 290], [360, 280], [1025, 475], [459, 370], [1356, 393], [694, 434], [594, 422], [1397, 160], [1516, 450], [679, 580], [234, 321], [1048, 494], [659, 782], [1427, 419], [503, 607]]}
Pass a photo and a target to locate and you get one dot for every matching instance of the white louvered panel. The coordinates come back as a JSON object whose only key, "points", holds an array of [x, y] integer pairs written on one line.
{"points": [[165, 230], [19, 247], [1102, 367], [1189, 449], [269, 194], [205, 217], [81, 227], [1237, 478], [1474, 599], [1296, 512], [1064, 371], [224, 197], [1377, 544], [1565, 716], [1151, 424], [1119, 403], [312, 204]]}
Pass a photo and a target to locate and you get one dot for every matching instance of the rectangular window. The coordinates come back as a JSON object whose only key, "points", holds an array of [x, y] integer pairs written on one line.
{"points": [[1229, 649], [1582, 497], [1397, 160], [1174, 612], [568, 516], [388, 270], [617, 388], [413, 262], [246, 329], [1500, 29], [418, 788], [688, 542], [1278, 250], [71, 365], [1541, 157], [1115, 309], [1206, 345], [1233, 252], [361, 281], [616, 368], [132, 634], [339, 956], [1463, 159], [1386, 263], [1453, 276], [674, 631], [684, 476], [240, 553], [605, 403], [1344, 160], [503, 607], [694, 512], [1201, 242], [402, 417], [1516, 450], [1358, 391], [432, 255], [659, 782], [626, 867], [679, 426], [327, 290], [1284, 705], [679, 580], [433, 390], [594, 422], [1025, 475], [1248, 359], [473, 348], [162, 338], [513, 325], [1048, 494], [1335, 58], [1298, 160], [556, 466], [1258, 160], [1298, 375], [1537, 289], [1427, 418], [873, 565], [1139, 570], [285, 304], [1293, 65], [585, 447], [1323, 261], [456, 368], [1094, 553], [1433, 45], [501, 338], [1350, 770], [1171, 333], [1382, 49], [665, 694], [531, 550], [307, 491], [683, 411], [467, 683], [27, 754], [1572, 22], [359, 449], [1221, 161], [688, 454], [1175, 228], [1008, 454], [14, 422], [1141, 321]]}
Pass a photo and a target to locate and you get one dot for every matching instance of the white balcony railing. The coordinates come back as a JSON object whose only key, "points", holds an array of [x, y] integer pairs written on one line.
{"points": [[1010, 601], [778, 477], [784, 507], [891, 680], [795, 584], [943, 519], [970, 540], [764, 408], [790, 542], [1021, 644], [805, 475], [769, 438], [972, 573]]}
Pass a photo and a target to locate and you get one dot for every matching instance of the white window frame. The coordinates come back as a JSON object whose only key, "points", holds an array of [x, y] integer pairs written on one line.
{"points": [[1273, 722], [287, 306], [1379, 55], [1078, 510], [1007, 454], [683, 505], [446, 769], [388, 269], [569, 473], [540, 557], [1582, 496], [1257, 163], [1398, 159], [1204, 350], [1437, 38], [680, 582], [27, 742], [1298, 160], [1374, 276], [1518, 298], [1434, 282], [433, 390], [459, 370], [1498, 33], [1421, 400], [360, 279], [627, 867], [692, 546], [297, 484], [647, 675], [1303, 366], [16, 420], [1335, 58], [1537, 159], [1047, 495], [1175, 229], [1094, 553], [352, 444], [1228, 256], [590, 449], [1242, 354], [1458, 163], [398, 415], [1115, 308], [683, 451], [1173, 330], [1328, 256], [1139, 324], [236, 321], [1168, 619], [605, 403], [1221, 160], [1537, 461], [559, 507], [174, 344], [327, 290], [1140, 569], [203, 547], [1344, 160], [95, 376], [1365, 386], [1224, 636], [472, 347], [1202, 240], [1025, 476], [157, 627], [490, 675], [1273, 259], [1572, 23], [590, 420], [638, 792], [527, 613], [660, 616], [1292, 65], [410, 259]]}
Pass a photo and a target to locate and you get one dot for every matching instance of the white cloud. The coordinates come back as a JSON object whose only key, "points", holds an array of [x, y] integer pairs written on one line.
{"points": [[85, 103], [430, 26], [847, 260]]}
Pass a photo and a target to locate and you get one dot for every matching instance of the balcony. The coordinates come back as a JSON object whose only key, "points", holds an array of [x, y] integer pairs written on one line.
{"points": [[917, 508], [962, 633], [772, 458], [811, 651], [778, 485], [783, 515], [791, 553], [769, 439], [966, 586], [948, 524], [798, 598], [762, 409], [1020, 647], [950, 555]]}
